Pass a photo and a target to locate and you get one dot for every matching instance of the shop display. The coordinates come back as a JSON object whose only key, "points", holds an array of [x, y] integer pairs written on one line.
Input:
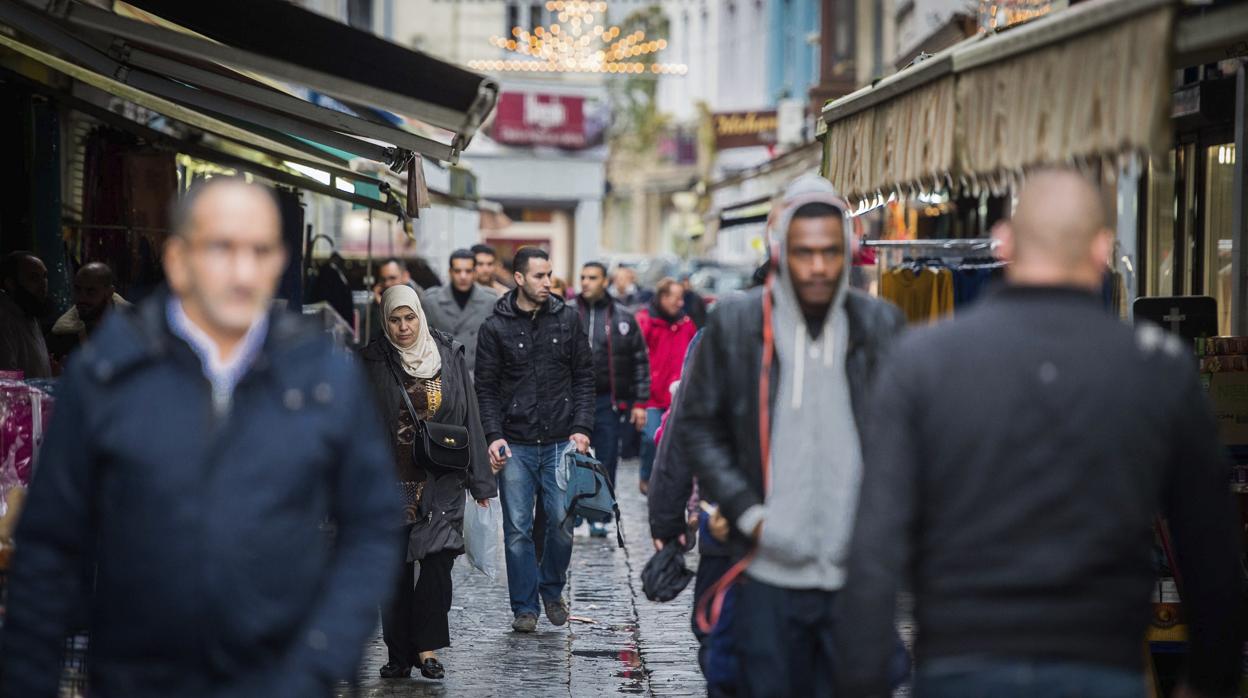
{"points": [[949, 275]]}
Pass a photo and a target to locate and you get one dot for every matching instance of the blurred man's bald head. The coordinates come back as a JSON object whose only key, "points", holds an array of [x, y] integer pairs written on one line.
{"points": [[1058, 232], [224, 196], [1058, 216]]}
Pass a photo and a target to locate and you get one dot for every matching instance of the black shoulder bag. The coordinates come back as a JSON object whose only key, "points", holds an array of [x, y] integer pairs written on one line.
{"points": [[437, 446]]}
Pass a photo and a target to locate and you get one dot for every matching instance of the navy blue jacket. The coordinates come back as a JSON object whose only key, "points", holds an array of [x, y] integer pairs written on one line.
{"points": [[214, 571]]}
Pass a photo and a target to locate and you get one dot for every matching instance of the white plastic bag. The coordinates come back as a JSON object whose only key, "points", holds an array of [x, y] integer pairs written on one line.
{"points": [[483, 529]]}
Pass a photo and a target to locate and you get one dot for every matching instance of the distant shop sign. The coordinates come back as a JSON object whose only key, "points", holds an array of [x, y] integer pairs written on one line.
{"points": [[526, 118], [744, 129]]}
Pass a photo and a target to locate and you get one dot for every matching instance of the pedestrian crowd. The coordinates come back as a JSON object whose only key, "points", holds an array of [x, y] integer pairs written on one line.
{"points": [[226, 501]]}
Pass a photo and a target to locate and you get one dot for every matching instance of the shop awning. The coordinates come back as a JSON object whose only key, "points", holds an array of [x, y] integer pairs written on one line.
{"points": [[1088, 81], [199, 55]]}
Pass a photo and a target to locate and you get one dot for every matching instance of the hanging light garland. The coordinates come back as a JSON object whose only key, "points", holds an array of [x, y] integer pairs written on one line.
{"points": [[999, 14], [577, 43]]}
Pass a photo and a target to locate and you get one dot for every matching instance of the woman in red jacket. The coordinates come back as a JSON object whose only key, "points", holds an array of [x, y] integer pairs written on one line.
{"points": [[668, 331]]}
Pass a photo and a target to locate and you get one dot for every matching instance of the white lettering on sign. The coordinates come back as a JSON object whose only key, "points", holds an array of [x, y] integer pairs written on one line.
{"points": [[544, 114]]}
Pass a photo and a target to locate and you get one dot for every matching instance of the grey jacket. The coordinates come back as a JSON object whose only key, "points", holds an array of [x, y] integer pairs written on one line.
{"points": [[463, 324]]}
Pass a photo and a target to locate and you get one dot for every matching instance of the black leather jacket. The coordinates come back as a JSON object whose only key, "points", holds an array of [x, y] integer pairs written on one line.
{"points": [[535, 376], [621, 361], [718, 429]]}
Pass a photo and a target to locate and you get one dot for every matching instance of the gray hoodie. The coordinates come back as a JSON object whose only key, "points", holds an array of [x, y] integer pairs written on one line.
{"points": [[816, 456]]}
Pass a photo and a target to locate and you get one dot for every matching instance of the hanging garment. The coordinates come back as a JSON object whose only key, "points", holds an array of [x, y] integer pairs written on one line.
{"points": [[923, 293]]}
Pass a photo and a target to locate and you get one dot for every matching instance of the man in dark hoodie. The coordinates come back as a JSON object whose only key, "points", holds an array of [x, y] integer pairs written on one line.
{"points": [[769, 419], [535, 385], [621, 368], [1016, 458]]}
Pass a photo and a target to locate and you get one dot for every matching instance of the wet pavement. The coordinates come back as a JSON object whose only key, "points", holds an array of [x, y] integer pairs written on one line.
{"points": [[616, 643]]}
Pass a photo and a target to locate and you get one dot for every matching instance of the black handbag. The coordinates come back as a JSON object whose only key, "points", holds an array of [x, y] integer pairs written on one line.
{"points": [[437, 446]]}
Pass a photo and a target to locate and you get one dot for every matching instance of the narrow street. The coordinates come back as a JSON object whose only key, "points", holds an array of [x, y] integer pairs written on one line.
{"points": [[616, 643]]}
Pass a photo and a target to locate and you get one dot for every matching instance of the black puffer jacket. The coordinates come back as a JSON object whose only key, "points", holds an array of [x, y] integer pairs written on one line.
{"points": [[535, 375], [719, 412], [621, 362]]}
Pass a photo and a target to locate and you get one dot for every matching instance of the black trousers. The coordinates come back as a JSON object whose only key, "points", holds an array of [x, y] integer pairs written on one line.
{"points": [[417, 619], [788, 631]]}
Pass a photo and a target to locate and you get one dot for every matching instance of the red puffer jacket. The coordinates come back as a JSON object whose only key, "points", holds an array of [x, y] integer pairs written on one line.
{"points": [[667, 343]]}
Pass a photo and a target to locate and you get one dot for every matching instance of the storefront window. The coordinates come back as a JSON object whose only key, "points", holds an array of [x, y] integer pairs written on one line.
{"points": [[1220, 196], [1160, 244]]}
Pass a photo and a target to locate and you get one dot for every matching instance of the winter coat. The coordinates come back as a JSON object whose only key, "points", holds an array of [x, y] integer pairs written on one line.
{"points": [[718, 426], [459, 407], [443, 313], [666, 342], [70, 332], [215, 575], [671, 480], [22, 346], [535, 375], [621, 361], [1017, 459]]}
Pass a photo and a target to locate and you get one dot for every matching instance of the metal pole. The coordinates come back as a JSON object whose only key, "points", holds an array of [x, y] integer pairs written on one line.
{"points": [[1239, 234]]}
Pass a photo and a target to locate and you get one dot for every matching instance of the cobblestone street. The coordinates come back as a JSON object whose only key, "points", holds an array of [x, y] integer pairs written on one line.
{"points": [[616, 643]]}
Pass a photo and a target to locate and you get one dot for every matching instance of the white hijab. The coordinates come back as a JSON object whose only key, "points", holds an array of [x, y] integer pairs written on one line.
{"points": [[421, 360]]}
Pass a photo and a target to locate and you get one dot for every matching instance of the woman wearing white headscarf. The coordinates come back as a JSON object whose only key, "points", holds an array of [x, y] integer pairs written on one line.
{"points": [[430, 367]]}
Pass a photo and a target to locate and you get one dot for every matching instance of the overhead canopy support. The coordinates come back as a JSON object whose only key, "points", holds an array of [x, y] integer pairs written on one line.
{"points": [[329, 57], [223, 92]]}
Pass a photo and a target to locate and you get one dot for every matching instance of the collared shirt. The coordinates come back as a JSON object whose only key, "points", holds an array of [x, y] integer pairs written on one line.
{"points": [[223, 374]]}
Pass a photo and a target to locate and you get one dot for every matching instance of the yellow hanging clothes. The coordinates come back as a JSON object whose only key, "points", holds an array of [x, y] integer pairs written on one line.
{"points": [[924, 295]]}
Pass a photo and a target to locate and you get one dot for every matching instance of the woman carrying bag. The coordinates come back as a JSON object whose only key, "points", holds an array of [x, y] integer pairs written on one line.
{"points": [[426, 398]]}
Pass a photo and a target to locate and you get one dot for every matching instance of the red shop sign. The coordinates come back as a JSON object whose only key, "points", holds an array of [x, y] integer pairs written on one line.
{"points": [[523, 118]]}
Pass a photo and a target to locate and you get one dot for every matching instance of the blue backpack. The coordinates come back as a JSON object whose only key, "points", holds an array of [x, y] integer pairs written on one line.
{"points": [[590, 494]]}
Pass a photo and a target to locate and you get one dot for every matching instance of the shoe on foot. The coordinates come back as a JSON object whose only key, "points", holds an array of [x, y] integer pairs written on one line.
{"points": [[431, 668], [597, 530], [556, 611], [395, 670], [525, 623]]}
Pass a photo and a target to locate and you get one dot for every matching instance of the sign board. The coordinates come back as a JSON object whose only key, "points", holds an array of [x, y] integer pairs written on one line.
{"points": [[791, 121], [526, 118], [745, 129], [1190, 317]]}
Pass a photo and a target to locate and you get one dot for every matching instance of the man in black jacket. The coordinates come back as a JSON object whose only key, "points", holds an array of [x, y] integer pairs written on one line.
{"points": [[535, 384], [200, 442], [621, 367], [779, 451], [1016, 458]]}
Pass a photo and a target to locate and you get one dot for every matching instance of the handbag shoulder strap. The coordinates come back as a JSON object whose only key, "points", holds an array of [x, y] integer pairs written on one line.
{"points": [[407, 399]]}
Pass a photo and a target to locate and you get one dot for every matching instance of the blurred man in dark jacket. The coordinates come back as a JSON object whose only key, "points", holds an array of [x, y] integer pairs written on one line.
{"points": [[1016, 457], [23, 302], [768, 420], [621, 367], [199, 446]]}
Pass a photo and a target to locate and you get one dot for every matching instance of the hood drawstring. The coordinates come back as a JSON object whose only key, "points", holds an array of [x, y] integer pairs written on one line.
{"points": [[799, 361]]}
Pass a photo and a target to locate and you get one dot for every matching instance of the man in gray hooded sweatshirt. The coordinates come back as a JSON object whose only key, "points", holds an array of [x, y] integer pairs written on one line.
{"points": [[771, 418]]}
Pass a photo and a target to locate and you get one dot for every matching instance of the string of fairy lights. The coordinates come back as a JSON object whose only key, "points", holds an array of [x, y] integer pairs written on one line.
{"points": [[578, 43]]}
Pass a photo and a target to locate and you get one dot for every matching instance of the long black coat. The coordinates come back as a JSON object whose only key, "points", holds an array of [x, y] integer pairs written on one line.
{"points": [[459, 407]]}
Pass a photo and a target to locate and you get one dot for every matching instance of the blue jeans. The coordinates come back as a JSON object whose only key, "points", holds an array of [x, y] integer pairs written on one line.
{"points": [[606, 437], [529, 477], [981, 677], [649, 449]]}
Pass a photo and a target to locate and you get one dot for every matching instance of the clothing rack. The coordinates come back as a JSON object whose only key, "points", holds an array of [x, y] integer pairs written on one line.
{"points": [[942, 252], [958, 244]]}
